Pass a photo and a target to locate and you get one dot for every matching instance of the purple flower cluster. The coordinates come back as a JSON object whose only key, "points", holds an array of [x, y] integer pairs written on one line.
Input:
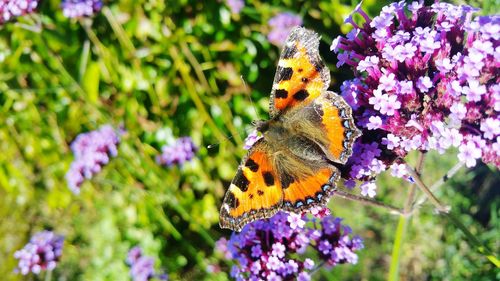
{"points": [[10, 9], [41, 253], [235, 5], [92, 150], [270, 249], [142, 267], [80, 8], [281, 25], [426, 79], [181, 151]]}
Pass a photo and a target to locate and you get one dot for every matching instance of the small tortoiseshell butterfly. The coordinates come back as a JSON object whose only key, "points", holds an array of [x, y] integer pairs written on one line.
{"points": [[310, 128]]}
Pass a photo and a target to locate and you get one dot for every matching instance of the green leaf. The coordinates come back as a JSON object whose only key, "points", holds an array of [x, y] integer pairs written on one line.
{"points": [[91, 82]]}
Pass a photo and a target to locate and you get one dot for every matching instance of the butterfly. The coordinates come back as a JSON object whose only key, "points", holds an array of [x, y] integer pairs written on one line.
{"points": [[292, 167]]}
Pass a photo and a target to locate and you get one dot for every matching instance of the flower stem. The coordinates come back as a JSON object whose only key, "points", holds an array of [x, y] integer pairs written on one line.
{"points": [[420, 184], [438, 183], [453, 219], [366, 201], [317, 267], [396, 249], [473, 240], [402, 224], [120, 33], [48, 275]]}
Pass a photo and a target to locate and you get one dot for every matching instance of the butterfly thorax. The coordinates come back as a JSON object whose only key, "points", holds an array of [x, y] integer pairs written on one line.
{"points": [[289, 146], [272, 130]]}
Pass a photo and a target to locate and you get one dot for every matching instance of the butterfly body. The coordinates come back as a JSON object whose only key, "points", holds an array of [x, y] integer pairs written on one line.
{"points": [[292, 167]]}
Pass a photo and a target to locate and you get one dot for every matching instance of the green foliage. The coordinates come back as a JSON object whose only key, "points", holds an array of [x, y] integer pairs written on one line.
{"points": [[152, 65]]}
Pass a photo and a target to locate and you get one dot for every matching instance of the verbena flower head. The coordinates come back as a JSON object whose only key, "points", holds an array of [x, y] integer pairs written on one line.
{"points": [[235, 5], [181, 151], [272, 249], [80, 8], [281, 25], [426, 79], [92, 150], [41, 253], [142, 267], [10, 9]]}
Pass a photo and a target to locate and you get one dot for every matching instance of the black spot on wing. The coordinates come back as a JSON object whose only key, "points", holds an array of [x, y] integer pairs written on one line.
{"points": [[250, 164], [268, 178], [284, 73], [232, 201], [301, 95], [260, 192], [281, 93], [305, 80], [286, 180], [289, 52], [241, 181]]}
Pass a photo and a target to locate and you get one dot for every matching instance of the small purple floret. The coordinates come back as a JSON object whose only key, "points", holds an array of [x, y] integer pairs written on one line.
{"points": [[281, 25], [181, 151], [42, 253], [92, 151], [80, 8], [10, 9]]}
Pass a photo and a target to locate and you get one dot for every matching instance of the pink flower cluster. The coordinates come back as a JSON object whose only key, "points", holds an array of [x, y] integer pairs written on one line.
{"points": [[10, 9], [80, 8], [426, 79], [42, 253]]}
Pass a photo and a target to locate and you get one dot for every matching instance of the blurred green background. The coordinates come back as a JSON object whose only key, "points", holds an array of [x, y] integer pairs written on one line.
{"points": [[152, 66]]}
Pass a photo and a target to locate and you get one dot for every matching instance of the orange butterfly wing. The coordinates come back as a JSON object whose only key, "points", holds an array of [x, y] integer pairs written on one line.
{"points": [[255, 191], [301, 76], [304, 193], [333, 116]]}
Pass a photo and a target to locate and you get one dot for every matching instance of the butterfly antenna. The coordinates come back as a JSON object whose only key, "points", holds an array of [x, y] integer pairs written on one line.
{"points": [[210, 146], [250, 97]]}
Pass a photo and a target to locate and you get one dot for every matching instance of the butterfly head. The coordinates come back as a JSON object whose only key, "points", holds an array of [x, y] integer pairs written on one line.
{"points": [[261, 125]]}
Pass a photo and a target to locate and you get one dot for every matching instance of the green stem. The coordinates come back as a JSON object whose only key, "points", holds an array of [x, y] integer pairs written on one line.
{"points": [[402, 224], [48, 275], [439, 183], [396, 250], [120, 33], [482, 249], [473, 240], [420, 184], [185, 74]]}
